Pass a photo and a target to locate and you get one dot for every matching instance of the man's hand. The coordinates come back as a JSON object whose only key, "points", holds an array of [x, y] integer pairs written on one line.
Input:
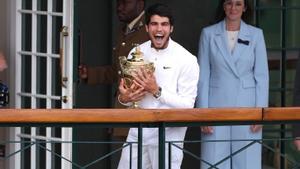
{"points": [[132, 94], [146, 80], [83, 72], [3, 64], [255, 128], [297, 143], [207, 129]]}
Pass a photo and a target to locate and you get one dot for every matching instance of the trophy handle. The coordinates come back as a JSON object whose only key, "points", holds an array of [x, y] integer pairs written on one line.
{"points": [[122, 61]]}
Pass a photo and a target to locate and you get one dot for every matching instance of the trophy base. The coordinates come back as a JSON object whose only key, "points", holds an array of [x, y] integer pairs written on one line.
{"points": [[134, 106]]}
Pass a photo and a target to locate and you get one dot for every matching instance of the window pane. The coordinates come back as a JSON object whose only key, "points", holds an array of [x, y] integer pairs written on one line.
{"points": [[26, 73], [56, 77], [289, 98], [56, 132], [41, 131], [26, 32], [57, 5], [269, 3], [27, 4], [26, 102], [56, 27], [293, 29], [274, 59], [56, 104], [42, 33], [41, 75], [41, 103], [274, 99], [41, 154], [296, 67], [42, 5], [271, 25], [293, 3], [56, 159], [25, 155]]}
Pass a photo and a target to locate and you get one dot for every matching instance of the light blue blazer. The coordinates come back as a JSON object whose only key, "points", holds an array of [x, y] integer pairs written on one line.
{"points": [[237, 79]]}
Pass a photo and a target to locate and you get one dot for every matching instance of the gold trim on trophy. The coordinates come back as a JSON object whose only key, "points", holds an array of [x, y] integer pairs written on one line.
{"points": [[130, 66]]}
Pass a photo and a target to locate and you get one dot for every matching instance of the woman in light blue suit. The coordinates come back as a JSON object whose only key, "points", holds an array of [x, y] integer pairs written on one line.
{"points": [[233, 73]]}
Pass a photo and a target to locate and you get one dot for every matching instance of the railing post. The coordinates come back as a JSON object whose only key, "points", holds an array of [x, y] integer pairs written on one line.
{"points": [[161, 146], [169, 154], [140, 146], [283, 76]]}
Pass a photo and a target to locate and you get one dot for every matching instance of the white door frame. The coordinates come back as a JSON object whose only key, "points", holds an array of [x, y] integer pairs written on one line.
{"points": [[15, 36]]}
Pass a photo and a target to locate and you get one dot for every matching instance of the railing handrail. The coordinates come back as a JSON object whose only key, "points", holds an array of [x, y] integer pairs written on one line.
{"points": [[69, 116], [281, 114], [138, 117]]}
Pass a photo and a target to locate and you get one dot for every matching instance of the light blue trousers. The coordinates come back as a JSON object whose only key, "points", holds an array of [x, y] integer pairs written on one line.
{"points": [[213, 152]]}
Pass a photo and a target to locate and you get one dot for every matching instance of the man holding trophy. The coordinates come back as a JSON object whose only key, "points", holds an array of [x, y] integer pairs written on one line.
{"points": [[172, 84]]}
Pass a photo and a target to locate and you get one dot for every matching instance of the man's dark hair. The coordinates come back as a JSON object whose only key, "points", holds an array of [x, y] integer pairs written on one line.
{"points": [[160, 10]]}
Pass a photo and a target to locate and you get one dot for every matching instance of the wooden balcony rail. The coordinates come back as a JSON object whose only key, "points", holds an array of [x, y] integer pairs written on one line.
{"points": [[281, 114], [55, 116], [160, 118]]}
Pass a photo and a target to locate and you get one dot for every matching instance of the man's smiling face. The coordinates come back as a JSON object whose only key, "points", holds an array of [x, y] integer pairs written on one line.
{"points": [[159, 30]]}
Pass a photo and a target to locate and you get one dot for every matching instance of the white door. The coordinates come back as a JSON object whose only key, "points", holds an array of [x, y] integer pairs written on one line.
{"points": [[43, 79]]}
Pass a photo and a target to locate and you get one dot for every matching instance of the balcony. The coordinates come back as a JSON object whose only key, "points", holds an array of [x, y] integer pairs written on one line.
{"points": [[142, 118]]}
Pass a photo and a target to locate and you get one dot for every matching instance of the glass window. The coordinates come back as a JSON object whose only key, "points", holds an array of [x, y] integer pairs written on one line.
{"points": [[271, 25], [293, 28], [57, 5], [27, 4], [41, 75], [56, 77], [26, 32], [26, 73], [56, 28], [278, 19], [42, 5], [41, 34]]}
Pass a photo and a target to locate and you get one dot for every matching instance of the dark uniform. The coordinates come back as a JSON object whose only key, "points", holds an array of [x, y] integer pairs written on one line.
{"points": [[126, 39], [109, 74]]}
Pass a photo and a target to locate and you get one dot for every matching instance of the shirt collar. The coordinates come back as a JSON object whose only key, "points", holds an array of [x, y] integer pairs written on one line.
{"points": [[163, 50]]}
